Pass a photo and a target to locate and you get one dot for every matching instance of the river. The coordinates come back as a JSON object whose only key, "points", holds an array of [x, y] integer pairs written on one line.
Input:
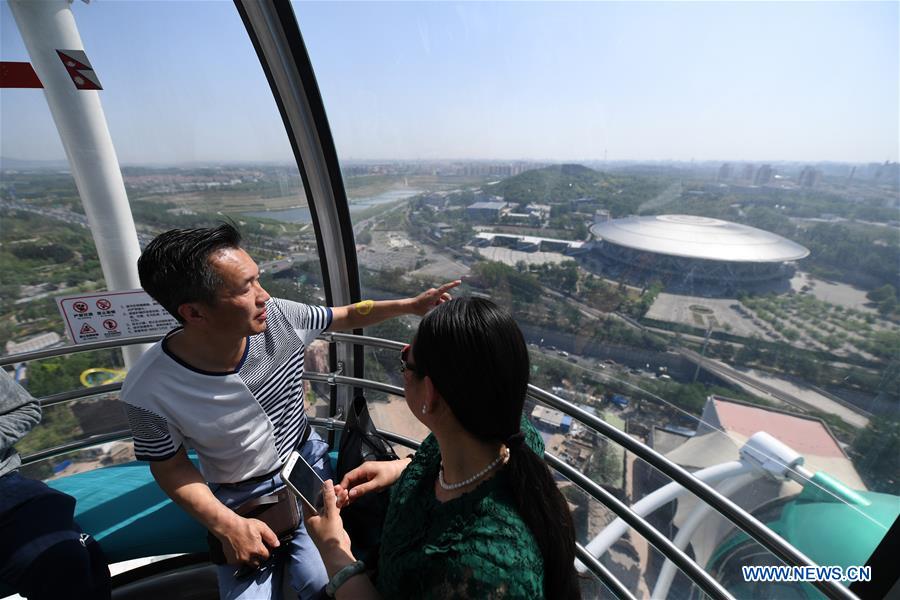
{"points": [[301, 214]]}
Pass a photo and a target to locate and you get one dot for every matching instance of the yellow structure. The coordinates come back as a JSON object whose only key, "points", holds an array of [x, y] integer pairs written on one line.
{"points": [[101, 376]]}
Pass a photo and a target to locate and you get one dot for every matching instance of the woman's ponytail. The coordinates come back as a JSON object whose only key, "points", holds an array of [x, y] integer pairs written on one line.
{"points": [[546, 512]]}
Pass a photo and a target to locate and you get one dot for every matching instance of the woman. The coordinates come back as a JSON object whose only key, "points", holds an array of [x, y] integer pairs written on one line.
{"points": [[476, 513]]}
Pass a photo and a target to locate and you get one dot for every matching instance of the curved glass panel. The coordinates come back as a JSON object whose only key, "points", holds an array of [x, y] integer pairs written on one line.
{"points": [[696, 231], [198, 139]]}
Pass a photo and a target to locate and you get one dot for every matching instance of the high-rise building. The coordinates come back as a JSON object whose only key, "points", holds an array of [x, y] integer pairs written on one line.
{"points": [[809, 177], [724, 172], [763, 175]]}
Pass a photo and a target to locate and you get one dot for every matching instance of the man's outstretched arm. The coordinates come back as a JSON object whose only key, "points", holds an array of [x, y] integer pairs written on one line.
{"points": [[244, 540], [371, 312]]}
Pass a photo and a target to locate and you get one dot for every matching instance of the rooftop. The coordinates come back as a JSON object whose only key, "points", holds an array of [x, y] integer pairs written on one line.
{"points": [[488, 205], [806, 436], [704, 238]]}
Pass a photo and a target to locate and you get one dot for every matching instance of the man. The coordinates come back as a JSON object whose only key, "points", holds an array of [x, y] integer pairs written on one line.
{"points": [[228, 384], [43, 553]]}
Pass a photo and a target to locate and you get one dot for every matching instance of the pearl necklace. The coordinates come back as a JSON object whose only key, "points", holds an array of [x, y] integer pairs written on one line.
{"points": [[455, 486]]}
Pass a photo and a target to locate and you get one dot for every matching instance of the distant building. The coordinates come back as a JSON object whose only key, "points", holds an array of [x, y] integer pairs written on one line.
{"points": [[38, 342], [601, 216], [551, 419], [532, 215], [528, 243], [542, 210], [436, 200], [683, 250], [724, 172], [482, 196], [526, 218], [501, 169], [486, 212], [747, 173], [763, 175], [441, 229], [809, 177], [572, 451], [182, 211]]}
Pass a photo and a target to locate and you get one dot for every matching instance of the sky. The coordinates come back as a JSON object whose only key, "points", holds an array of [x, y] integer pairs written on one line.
{"points": [[807, 81]]}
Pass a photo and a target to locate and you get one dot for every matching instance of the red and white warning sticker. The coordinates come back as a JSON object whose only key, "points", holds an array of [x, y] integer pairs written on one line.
{"points": [[80, 69], [107, 315]]}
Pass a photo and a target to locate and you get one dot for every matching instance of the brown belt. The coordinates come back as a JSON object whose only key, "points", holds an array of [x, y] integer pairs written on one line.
{"points": [[257, 479]]}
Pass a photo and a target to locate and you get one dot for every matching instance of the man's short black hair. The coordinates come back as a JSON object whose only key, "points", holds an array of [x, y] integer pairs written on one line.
{"points": [[174, 268]]}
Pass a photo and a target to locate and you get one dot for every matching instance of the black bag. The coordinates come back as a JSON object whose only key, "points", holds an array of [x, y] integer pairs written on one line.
{"points": [[364, 519]]}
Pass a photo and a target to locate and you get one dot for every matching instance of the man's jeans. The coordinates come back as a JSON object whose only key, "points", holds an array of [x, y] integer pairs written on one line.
{"points": [[305, 572]]}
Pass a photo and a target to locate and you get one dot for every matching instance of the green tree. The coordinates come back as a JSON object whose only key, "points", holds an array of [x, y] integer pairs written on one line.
{"points": [[877, 449], [883, 293], [887, 306]]}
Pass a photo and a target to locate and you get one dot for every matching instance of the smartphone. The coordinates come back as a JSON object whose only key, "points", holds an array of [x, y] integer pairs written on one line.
{"points": [[303, 481]]}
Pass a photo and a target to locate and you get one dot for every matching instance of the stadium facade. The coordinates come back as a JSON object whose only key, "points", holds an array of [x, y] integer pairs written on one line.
{"points": [[692, 250]]}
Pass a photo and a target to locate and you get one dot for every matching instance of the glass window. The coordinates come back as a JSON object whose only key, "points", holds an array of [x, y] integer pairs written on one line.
{"points": [[696, 230], [198, 138]]}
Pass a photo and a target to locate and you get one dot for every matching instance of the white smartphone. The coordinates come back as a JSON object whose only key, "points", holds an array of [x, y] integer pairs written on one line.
{"points": [[303, 481]]}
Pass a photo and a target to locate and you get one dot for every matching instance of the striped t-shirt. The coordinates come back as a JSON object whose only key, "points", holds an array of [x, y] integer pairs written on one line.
{"points": [[241, 424]]}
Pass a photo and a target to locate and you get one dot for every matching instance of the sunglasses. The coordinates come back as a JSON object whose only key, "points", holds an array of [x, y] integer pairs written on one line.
{"points": [[405, 365]]}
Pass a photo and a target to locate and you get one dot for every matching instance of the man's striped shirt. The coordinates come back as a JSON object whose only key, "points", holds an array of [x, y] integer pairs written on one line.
{"points": [[242, 423]]}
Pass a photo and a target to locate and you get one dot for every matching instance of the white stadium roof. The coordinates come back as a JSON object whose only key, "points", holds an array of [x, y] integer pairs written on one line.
{"points": [[699, 237]]}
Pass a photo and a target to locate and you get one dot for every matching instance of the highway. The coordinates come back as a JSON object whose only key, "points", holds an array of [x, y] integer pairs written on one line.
{"points": [[813, 401], [755, 384]]}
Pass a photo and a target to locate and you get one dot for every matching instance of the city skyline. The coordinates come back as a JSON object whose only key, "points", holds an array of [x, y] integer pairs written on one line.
{"points": [[808, 82]]}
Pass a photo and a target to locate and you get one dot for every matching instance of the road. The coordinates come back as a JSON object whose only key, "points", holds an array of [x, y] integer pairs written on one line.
{"points": [[775, 388], [787, 392]]}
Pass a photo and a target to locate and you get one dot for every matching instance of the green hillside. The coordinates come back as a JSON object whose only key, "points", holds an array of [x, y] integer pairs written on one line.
{"points": [[561, 184]]}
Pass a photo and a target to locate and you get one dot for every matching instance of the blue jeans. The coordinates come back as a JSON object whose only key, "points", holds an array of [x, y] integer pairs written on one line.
{"points": [[298, 565]]}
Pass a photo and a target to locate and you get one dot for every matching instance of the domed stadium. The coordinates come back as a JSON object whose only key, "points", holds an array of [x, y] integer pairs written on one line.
{"points": [[688, 249]]}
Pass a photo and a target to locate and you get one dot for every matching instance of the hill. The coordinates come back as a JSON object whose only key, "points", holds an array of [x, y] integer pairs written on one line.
{"points": [[562, 184]]}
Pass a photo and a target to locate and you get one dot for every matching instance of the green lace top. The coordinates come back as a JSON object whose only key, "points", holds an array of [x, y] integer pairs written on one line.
{"points": [[474, 546]]}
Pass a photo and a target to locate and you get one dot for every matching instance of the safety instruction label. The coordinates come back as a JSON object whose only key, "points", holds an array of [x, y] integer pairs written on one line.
{"points": [[108, 315]]}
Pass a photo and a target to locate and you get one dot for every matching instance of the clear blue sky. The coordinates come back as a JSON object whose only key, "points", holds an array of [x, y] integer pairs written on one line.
{"points": [[805, 81]]}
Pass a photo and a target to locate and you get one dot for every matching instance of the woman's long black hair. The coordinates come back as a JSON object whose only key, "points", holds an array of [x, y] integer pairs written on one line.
{"points": [[477, 359]]}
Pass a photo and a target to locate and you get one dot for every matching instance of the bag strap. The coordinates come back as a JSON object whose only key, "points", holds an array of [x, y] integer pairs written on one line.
{"points": [[304, 435], [254, 505]]}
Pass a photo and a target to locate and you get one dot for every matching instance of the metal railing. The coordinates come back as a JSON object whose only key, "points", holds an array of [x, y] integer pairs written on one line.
{"points": [[332, 424], [12, 359], [728, 509]]}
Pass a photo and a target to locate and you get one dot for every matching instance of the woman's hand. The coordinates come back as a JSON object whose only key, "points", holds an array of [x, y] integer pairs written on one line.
{"points": [[371, 476], [327, 528], [327, 532]]}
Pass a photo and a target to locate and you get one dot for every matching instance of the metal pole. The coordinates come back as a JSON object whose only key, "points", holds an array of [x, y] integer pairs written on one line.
{"points": [[47, 26]]}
